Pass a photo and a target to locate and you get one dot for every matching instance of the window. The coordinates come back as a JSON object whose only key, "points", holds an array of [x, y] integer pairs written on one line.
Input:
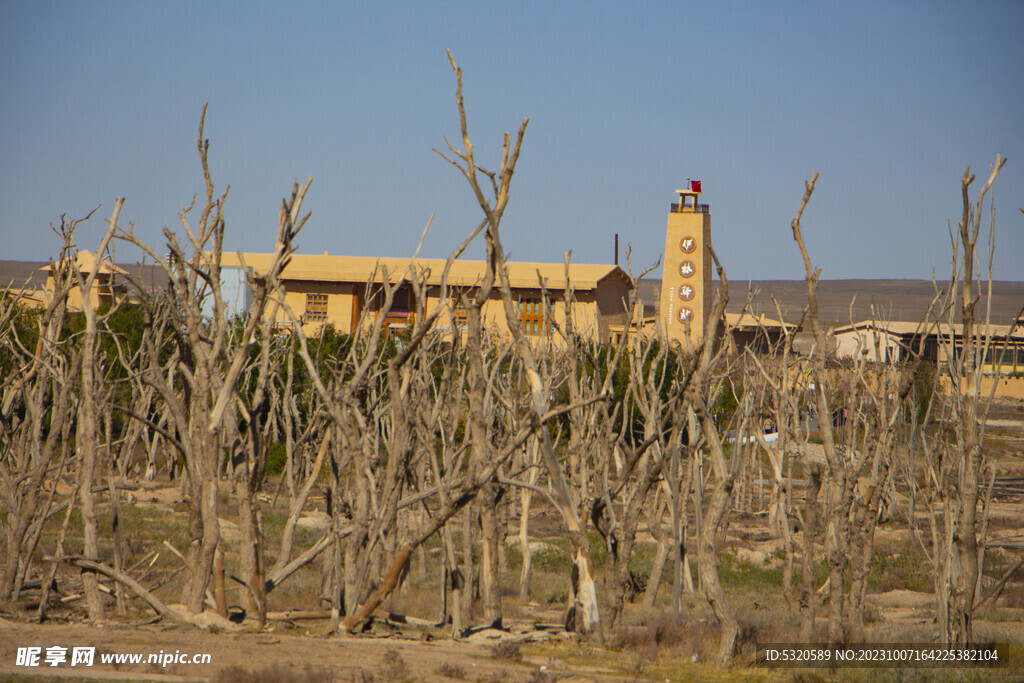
{"points": [[316, 308], [1003, 354], [531, 315], [460, 316]]}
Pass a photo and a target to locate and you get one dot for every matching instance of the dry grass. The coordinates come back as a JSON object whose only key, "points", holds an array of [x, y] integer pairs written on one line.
{"points": [[277, 673], [393, 667]]}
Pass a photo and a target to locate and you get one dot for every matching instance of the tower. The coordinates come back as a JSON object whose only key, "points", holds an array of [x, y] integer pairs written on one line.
{"points": [[686, 278]]}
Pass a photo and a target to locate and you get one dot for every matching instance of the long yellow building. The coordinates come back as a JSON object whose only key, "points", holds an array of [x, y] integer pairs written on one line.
{"points": [[342, 290]]}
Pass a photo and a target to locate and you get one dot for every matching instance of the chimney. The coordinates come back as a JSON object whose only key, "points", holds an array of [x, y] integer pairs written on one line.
{"points": [[616, 248]]}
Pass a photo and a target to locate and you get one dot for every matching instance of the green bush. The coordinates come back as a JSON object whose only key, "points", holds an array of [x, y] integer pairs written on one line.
{"points": [[924, 382], [277, 458]]}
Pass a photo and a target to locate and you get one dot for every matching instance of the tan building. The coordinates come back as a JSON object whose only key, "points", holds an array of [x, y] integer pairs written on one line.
{"points": [[341, 290], [1002, 363], [103, 287], [686, 268]]}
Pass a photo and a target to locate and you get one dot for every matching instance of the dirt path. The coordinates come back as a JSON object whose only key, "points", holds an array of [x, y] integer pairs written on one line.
{"points": [[265, 656]]}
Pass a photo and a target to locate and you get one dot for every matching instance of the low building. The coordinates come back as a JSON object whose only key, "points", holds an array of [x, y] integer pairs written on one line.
{"points": [[757, 333], [885, 341]]}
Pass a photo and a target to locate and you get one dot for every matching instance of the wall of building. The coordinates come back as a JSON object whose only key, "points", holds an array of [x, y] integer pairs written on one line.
{"points": [[339, 303], [856, 342], [234, 292], [590, 318], [1005, 386], [612, 298], [101, 293]]}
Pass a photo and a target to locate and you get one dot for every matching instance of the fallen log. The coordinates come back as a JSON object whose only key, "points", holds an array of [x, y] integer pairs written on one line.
{"points": [[153, 601], [276, 579], [299, 614]]}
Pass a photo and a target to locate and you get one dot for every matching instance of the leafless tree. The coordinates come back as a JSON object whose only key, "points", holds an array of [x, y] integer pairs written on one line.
{"points": [[955, 469], [200, 377], [89, 404], [584, 612], [36, 414]]}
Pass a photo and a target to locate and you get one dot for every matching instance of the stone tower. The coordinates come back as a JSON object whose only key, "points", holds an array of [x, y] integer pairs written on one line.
{"points": [[686, 278]]}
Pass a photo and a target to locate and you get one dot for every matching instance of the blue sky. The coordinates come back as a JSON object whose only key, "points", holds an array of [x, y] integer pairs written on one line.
{"points": [[889, 101]]}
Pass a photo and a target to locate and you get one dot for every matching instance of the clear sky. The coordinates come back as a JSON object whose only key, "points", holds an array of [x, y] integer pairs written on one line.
{"points": [[889, 101]]}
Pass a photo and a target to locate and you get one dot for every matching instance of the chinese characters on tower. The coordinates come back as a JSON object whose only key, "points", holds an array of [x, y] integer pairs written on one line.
{"points": [[686, 283]]}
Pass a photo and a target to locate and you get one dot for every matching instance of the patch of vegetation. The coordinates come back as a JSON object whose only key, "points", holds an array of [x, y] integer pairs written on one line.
{"points": [[727, 400], [539, 676], [552, 558], [907, 571], [277, 458], [733, 571], [276, 673], [924, 384]]}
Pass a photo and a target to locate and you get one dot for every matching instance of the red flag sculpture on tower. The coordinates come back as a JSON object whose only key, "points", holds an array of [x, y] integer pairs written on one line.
{"points": [[695, 185]]}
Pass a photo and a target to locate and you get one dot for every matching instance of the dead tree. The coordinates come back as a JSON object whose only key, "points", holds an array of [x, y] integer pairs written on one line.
{"points": [[88, 433], [839, 487], [715, 519], [199, 379], [627, 481], [955, 469], [584, 614], [36, 413]]}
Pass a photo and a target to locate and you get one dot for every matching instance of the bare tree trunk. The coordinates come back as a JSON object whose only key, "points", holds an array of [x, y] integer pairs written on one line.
{"points": [[88, 427], [721, 500], [220, 600], [115, 510], [525, 497], [959, 630], [655, 515], [455, 582], [490, 498], [808, 597]]}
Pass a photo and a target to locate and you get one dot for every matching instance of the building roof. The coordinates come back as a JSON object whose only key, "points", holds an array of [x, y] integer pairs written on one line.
{"points": [[753, 322], [901, 329], [463, 273], [87, 263]]}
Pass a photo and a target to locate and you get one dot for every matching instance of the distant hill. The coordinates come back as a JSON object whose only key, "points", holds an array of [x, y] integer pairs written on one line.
{"points": [[18, 274], [893, 300], [31, 274]]}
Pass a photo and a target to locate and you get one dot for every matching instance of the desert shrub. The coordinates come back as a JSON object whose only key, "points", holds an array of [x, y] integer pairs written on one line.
{"points": [[393, 666], [664, 633], [551, 558], [924, 381], [508, 649], [451, 670], [726, 402]]}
